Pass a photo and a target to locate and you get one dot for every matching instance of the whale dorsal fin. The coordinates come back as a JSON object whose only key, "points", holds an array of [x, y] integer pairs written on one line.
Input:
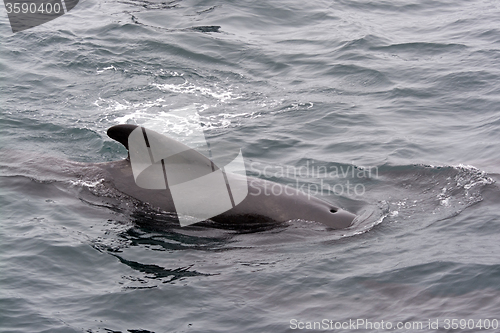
{"points": [[149, 147], [120, 133]]}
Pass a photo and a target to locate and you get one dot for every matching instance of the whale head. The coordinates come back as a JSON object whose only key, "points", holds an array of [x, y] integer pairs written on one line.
{"points": [[333, 217]]}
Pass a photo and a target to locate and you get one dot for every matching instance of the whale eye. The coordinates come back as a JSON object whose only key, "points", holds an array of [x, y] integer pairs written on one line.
{"points": [[333, 210]]}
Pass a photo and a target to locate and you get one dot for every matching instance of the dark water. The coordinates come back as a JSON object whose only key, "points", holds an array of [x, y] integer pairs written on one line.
{"points": [[407, 90]]}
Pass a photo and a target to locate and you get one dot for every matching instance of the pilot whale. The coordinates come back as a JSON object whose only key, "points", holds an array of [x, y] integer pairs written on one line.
{"points": [[149, 179]]}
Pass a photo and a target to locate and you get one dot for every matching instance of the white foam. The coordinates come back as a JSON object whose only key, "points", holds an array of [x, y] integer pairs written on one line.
{"points": [[189, 88], [106, 69], [86, 183]]}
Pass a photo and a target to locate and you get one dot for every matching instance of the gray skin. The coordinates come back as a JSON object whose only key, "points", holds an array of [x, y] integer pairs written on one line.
{"points": [[266, 201]]}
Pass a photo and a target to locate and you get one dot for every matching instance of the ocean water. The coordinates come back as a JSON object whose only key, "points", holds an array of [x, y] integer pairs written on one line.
{"points": [[399, 101]]}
